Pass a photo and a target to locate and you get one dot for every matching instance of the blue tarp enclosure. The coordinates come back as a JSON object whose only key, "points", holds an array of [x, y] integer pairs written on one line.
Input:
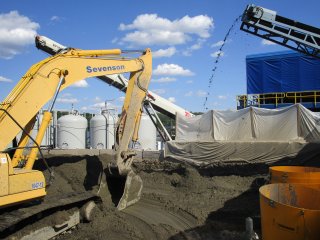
{"points": [[286, 71]]}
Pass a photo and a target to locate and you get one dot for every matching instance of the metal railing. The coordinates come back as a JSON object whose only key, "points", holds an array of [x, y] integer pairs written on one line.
{"points": [[277, 98]]}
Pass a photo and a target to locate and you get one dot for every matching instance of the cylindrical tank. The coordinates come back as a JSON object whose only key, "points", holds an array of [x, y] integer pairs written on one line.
{"points": [[309, 176], [102, 128], [289, 211], [147, 133], [71, 132]]}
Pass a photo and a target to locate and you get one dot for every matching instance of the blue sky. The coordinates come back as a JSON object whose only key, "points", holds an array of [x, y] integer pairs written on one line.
{"points": [[184, 36]]}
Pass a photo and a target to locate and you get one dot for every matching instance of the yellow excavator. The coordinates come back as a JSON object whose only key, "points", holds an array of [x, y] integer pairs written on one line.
{"points": [[42, 82]]}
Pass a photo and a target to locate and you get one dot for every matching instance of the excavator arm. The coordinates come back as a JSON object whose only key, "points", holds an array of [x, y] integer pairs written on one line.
{"points": [[46, 79]]}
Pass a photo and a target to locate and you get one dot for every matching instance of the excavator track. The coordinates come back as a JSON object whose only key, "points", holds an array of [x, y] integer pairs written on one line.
{"points": [[16, 217]]}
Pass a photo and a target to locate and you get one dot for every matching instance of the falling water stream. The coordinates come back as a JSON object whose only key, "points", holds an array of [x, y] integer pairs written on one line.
{"points": [[214, 69]]}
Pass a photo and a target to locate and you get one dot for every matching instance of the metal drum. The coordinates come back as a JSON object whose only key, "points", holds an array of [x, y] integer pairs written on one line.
{"points": [[102, 128], [147, 133], [309, 176], [289, 211], [72, 132]]}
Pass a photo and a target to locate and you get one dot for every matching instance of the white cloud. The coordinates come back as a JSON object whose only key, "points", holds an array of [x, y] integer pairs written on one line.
{"points": [[172, 69], [172, 99], [55, 18], [97, 99], [98, 105], [217, 53], [198, 45], [169, 52], [222, 97], [189, 94], [4, 79], [189, 81], [267, 42], [154, 37], [16, 32], [216, 104], [65, 95], [164, 80], [194, 47], [201, 93], [150, 29], [121, 99], [80, 84], [218, 44], [67, 100], [159, 91]]}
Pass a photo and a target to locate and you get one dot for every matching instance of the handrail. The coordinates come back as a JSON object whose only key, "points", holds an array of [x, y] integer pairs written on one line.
{"points": [[277, 98]]}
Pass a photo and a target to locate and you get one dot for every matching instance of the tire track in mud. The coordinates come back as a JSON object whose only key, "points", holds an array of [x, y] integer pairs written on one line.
{"points": [[158, 218]]}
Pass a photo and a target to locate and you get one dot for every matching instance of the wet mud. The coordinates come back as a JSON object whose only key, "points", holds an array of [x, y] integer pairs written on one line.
{"points": [[178, 201]]}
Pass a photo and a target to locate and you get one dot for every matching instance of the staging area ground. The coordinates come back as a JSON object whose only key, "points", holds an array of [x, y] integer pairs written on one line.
{"points": [[178, 201]]}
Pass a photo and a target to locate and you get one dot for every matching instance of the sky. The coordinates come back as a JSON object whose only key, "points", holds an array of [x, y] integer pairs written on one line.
{"points": [[184, 36]]}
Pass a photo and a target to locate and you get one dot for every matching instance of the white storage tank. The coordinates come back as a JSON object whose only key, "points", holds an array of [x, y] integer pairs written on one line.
{"points": [[71, 132], [147, 135], [102, 129]]}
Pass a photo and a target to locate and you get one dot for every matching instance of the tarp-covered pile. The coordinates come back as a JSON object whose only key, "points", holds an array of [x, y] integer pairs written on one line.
{"points": [[247, 135]]}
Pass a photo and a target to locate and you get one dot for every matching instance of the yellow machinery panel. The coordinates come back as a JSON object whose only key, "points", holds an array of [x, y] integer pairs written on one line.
{"points": [[20, 184], [21, 197], [25, 180], [4, 175]]}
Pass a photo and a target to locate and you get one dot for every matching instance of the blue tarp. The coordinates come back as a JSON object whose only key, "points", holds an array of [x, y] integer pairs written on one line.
{"points": [[286, 71]]}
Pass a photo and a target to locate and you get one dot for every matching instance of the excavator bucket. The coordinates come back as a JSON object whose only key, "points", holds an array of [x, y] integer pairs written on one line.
{"points": [[132, 191]]}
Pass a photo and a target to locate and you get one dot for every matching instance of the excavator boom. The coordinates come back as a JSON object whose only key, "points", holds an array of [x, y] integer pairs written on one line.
{"points": [[118, 81]]}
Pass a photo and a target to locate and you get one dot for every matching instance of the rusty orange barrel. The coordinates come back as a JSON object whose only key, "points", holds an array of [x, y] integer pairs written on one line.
{"points": [[289, 211], [295, 174]]}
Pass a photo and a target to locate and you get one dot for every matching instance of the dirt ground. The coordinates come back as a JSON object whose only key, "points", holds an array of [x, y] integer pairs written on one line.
{"points": [[178, 201]]}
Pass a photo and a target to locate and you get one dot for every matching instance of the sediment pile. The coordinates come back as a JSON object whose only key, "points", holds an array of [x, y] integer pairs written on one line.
{"points": [[177, 201]]}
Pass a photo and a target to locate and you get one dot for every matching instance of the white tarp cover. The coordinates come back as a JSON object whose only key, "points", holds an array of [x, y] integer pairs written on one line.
{"points": [[249, 135], [309, 125], [206, 153], [275, 125], [256, 124], [198, 128], [232, 125]]}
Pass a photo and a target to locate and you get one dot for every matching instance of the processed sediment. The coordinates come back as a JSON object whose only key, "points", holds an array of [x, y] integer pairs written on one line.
{"points": [[178, 201]]}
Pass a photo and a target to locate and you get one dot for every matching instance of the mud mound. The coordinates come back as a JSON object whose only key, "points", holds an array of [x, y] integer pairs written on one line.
{"points": [[177, 201]]}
